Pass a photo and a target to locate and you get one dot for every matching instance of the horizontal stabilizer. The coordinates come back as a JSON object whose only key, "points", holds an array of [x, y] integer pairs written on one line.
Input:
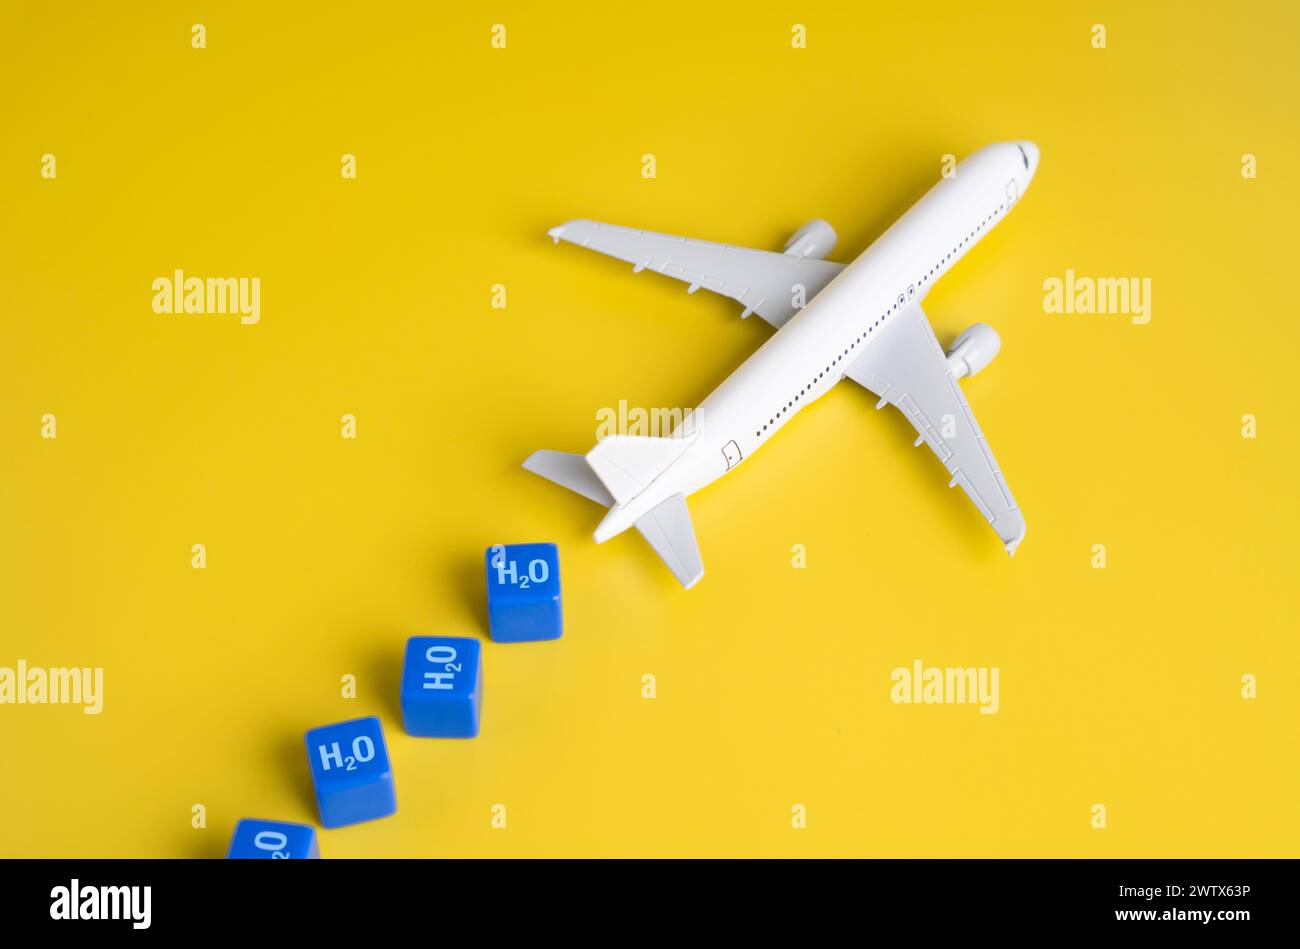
{"points": [[569, 471], [668, 530], [626, 464]]}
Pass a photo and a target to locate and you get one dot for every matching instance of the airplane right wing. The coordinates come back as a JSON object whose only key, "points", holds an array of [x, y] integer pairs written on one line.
{"points": [[906, 367], [761, 281]]}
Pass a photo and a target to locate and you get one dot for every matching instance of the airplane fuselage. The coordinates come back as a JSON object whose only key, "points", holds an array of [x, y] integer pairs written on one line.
{"points": [[807, 356]]}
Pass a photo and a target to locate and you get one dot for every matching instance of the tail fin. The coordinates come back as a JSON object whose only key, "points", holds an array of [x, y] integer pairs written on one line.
{"points": [[668, 530], [667, 526], [626, 464]]}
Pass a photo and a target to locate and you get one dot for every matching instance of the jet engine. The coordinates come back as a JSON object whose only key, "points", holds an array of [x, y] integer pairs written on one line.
{"points": [[815, 239], [973, 350]]}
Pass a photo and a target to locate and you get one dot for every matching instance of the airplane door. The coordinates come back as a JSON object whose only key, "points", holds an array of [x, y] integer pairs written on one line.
{"points": [[731, 453], [1013, 192]]}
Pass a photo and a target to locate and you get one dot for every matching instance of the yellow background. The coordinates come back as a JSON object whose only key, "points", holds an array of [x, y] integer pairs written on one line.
{"points": [[1118, 686]]}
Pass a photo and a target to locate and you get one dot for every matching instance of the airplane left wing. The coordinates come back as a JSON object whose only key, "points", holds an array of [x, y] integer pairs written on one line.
{"points": [[761, 281], [907, 368]]}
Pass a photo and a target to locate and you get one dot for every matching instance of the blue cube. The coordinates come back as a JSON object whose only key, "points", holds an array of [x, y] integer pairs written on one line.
{"points": [[349, 767], [442, 687], [272, 840], [523, 590]]}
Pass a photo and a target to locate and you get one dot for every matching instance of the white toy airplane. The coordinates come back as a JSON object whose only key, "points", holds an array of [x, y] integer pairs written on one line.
{"points": [[862, 321]]}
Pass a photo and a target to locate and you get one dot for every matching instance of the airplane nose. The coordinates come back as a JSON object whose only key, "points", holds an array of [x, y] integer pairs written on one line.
{"points": [[1029, 151]]}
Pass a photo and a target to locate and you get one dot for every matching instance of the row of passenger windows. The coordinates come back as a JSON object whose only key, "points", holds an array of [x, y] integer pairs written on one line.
{"points": [[925, 278]]}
